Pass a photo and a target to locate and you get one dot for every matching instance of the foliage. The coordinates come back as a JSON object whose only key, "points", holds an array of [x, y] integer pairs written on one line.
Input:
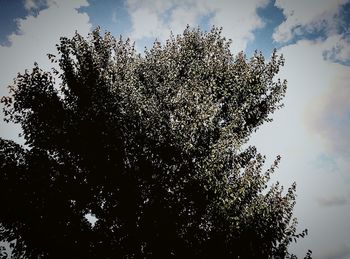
{"points": [[151, 145]]}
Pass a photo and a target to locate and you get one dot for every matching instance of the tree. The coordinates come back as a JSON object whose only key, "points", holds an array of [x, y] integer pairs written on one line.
{"points": [[152, 146]]}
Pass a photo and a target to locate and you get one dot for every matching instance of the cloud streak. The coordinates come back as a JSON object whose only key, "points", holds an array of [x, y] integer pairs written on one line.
{"points": [[332, 201]]}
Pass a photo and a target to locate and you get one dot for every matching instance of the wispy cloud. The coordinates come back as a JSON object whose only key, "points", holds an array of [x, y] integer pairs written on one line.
{"points": [[30, 5], [307, 16], [332, 201], [339, 48], [114, 17]]}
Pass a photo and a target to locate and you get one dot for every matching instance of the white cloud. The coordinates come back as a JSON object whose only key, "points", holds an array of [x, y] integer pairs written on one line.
{"points": [[329, 116], [297, 136], [35, 37], [238, 19], [156, 19], [32, 4], [307, 15], [147, 24]]}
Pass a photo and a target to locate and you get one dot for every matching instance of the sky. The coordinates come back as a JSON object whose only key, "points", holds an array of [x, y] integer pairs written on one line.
{"points": [[311, 132]]}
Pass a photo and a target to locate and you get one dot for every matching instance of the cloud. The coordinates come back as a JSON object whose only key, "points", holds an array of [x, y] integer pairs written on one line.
{"points": [[332, 201], [156, 19], [34, 38], [152, 18], [339, 49], [297, 136], [318, 108], [327, 115], [310, 78], [307, 16], [30, 5], [114, 17], [239, 19]]}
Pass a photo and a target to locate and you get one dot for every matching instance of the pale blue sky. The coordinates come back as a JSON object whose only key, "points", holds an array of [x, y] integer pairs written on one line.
{"points": [[312, 131]]}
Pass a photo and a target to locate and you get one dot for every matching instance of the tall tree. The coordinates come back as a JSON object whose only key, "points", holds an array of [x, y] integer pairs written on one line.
{"points": [[150, 145]]}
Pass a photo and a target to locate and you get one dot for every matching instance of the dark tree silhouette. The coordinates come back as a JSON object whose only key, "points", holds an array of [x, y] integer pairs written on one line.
{"points": [[151, 145]]}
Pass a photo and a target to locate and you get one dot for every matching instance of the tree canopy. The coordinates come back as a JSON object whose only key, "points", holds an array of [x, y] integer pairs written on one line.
{"points": [[152, 146]]}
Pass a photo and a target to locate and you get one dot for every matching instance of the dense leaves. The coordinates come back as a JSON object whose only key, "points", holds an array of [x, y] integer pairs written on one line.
{"points": [[151, 145]]}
